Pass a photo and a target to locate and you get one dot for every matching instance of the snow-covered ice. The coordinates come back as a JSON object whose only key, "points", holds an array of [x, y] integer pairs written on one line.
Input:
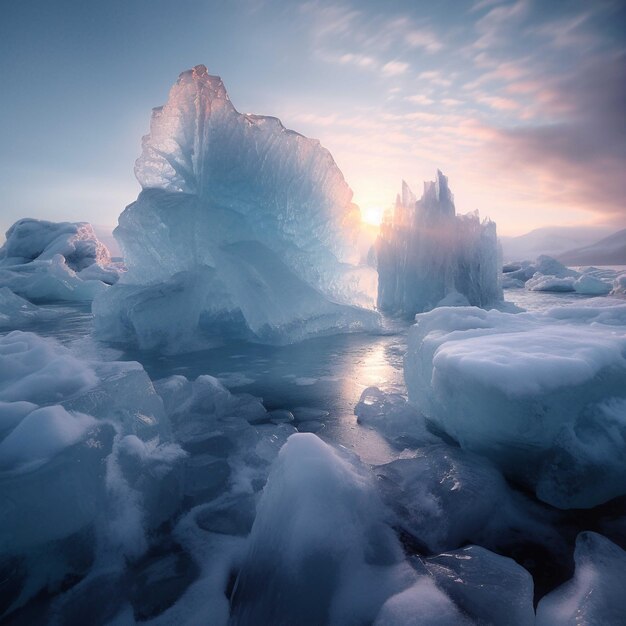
{"points": [[66, 426], [51, 261], [548, 274], [528, 391], [38, 240], [332, 559]]}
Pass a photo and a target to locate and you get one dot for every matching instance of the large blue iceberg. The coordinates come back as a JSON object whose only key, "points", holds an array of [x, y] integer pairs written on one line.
{"points": [[243, 228]]}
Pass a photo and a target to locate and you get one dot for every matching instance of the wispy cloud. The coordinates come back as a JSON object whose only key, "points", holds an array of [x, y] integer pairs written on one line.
{"points": [[394, 68], [523, 100]]}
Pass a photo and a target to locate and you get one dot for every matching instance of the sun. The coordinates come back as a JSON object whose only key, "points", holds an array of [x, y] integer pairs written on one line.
{"points": [[372, 215]]}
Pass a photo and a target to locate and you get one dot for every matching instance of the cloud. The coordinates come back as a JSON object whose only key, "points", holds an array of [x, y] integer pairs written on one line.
{"points": [[483, 4], [498, 103], [582, 156], [570, 32], [494, 28], [359, 60], [419, 99], [424, 39], [394, 68]]}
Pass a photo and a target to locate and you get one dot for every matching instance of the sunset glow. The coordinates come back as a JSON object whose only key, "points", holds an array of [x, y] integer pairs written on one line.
{"points": [[372, 215], [519, 102]]}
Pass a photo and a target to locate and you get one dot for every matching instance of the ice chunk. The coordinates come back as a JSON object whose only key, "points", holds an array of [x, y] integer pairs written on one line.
{"points": [[422, 604], [84, 446], [42, 434], [29, 240], [49, 281], [15, 312], [492, 589], [547, 274], [426, 254], [66, 489], [591, 286], [48, 261], [206, 397], [394, 417], [108, 275], [424, 490], [596, 593], [242, 225], [332, 560], [619, 285], [544, 265], [588, 453], [512, 283], [40, 371], [541, 282], [511, 386]]}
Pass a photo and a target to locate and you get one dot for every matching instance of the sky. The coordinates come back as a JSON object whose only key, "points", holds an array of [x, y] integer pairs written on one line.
{"points": [[520, 102]]}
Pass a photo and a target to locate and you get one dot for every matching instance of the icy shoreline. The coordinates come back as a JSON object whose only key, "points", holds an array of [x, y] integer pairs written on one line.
{"points": [[439, 497]]}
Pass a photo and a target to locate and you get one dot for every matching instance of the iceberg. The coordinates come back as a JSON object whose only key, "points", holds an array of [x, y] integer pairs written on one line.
{"points": [[427, 255], [54, 261], [540, 394], [243, 228]]}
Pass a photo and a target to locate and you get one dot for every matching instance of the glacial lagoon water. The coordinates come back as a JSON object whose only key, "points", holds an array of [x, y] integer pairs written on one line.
{"points": [[324, 376]]}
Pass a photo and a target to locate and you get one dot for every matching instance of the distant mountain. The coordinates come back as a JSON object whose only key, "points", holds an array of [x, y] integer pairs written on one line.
{"points": [[608, 251], [551, 240]]}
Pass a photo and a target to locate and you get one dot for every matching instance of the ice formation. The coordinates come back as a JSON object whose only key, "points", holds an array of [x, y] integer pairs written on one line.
{"points": [[16, 312], [242, 227], [51, 261], [80, 445], [491, 588], [619, 285], [107, 458], [436, 480], [548, 274], [311, 566], [541, 394], [426, 254], [596, 593], [37, 240], [397, 420]]}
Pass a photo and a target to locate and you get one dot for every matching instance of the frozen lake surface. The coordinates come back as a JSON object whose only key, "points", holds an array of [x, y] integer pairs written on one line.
{"points": [[325, 375]]}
